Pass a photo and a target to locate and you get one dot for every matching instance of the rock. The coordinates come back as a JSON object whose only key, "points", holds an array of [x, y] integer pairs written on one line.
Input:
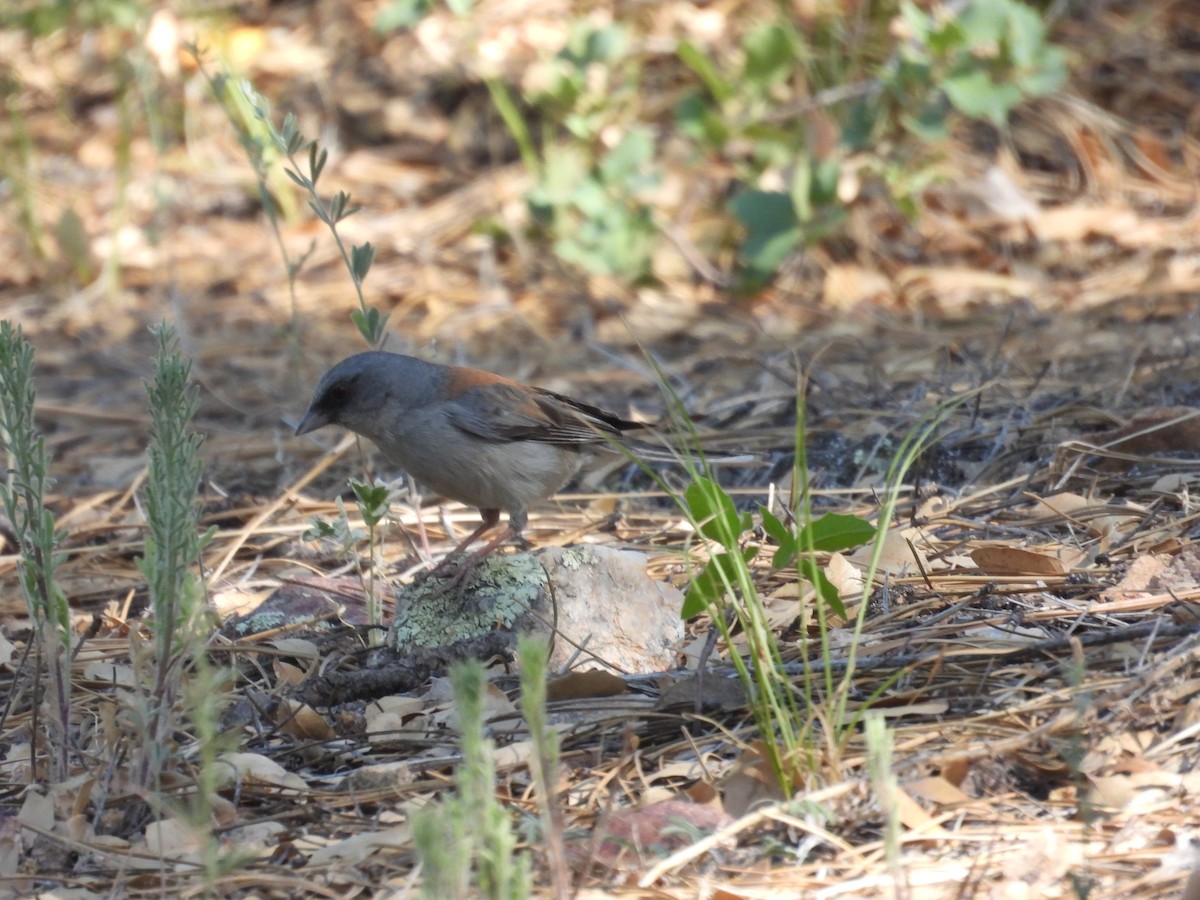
{"points": [[594, 597], [434, 612], [609, 605]]}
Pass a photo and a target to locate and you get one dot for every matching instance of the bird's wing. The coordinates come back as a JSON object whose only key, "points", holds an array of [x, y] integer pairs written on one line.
{"points": [[505, 411]]}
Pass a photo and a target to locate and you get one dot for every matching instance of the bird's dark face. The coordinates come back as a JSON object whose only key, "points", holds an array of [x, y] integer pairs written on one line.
{"points": [[372, 393], [336, 400]]}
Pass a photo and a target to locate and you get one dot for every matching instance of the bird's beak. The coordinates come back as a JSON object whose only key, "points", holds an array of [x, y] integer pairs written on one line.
{"points": [[312, 421]]}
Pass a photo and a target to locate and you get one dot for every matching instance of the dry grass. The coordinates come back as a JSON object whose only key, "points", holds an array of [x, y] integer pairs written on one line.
{"points": [[1045, 714]]}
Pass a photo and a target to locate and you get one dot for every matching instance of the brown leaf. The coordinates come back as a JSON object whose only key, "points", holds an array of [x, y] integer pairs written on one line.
{"points": [[592, 683], [1169, 429], [305, 723], [1004, 560]]}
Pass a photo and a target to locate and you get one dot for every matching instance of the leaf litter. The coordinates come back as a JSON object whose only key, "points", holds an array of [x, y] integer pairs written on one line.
{"points": [[1031, 639]]}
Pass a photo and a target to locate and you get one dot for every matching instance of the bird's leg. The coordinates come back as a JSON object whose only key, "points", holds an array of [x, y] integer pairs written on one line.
{"points": [[491, 518], [465, 566]]}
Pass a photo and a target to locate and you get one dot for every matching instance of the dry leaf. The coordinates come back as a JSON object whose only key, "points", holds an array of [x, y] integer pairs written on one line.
{"points": [[913, 816], [172, 839], [937, 789], [750, 783], [1000, 559], [592, 683], [844, 575], [10, 846], [361, 847], [256, 767], [303, 722], [847, 286], [288, 674], [897, 556], [37, 811], [1170, 429], [110, 674], [1058, 506], [1137, 579]]}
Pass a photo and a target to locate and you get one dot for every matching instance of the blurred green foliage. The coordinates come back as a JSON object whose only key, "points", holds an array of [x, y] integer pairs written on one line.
{"points": [[781, 113]]}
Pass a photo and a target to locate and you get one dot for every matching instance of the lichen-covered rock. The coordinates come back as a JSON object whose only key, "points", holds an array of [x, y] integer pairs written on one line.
{"points": [[591, 597], [436, 611]]}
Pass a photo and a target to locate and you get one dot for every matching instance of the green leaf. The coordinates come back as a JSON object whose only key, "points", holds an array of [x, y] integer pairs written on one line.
{"points": [[918, 21], [714, 581], [985, 24], [770, 55], [300, 180], [772, 226], [370, 324], [833, 532], [626, 160], [317, 157], [696, 60], [715, 514], [1025, 36], [1047, 74], [361, 258], [699, 119], [372, 501], [782, 535], [930, 124], [858, 129], [827, 174], [947, 40], [73, 241], [587, 44], [318, 528], [824, 587], [774, 526], [402, 14], [801, 192], [975, 94]]}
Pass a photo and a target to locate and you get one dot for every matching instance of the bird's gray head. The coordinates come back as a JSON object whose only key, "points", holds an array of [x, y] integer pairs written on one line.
{"points": [[355, 391]]}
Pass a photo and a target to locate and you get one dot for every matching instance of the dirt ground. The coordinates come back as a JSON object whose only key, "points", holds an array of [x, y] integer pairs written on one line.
{"points": [[1041, 596]]}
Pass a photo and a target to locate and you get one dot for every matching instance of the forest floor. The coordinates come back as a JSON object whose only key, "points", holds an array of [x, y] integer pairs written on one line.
{"points": [[1040, 597]]}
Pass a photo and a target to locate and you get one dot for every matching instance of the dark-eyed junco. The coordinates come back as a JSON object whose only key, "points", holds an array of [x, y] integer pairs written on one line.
{"points": [[469, 435]]}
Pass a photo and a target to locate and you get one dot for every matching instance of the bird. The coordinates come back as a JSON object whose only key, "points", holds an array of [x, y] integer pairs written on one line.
{"points": [[472, 436]]}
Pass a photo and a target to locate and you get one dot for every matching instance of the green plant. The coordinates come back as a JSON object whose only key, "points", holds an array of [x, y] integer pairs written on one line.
{"points": [[764, 114], [726, 583], [592, 191], [184, 687], [593, 205], [883, 780], [266, 145], [373, 503], [371, 323], [23, 490], [113, 30], [19, 163], [174, 542], [274, 188], [978, 61], [534, 655], [981, 60], [43, 17], [467, 839]]}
